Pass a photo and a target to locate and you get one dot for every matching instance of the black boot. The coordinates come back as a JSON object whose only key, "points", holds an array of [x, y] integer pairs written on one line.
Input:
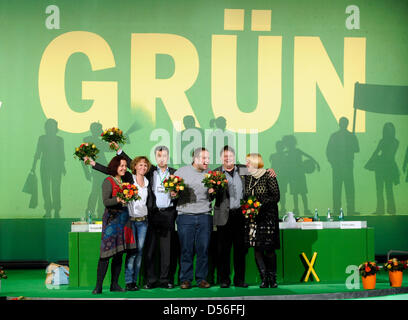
{"points": [[100, 275], [272, 279], [260, 263], [115, 272], [265, 279], [270, 263]]}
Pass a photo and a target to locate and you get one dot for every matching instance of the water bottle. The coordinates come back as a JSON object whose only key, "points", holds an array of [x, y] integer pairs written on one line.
{"points": [[89, 217], [341, 216], [316, 216], [329, 218]]}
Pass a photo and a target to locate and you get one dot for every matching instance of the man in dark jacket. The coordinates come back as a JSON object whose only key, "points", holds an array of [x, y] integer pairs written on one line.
{"points": [[230, 221]]}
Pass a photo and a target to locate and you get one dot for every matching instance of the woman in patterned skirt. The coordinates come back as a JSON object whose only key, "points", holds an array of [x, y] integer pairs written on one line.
{"points": [[115, 239], [263, 234]]}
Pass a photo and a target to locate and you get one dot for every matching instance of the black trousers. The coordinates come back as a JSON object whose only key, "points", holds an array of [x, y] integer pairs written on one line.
{"points": [[160, 240], [103, 264], [232, 235]]}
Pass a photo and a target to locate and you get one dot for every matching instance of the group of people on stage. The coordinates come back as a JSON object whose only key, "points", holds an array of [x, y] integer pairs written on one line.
{"points": [[149, 223]]}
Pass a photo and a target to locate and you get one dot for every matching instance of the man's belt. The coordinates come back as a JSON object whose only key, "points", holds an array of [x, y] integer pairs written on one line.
{"points": [[165, 209], [138, 219]]}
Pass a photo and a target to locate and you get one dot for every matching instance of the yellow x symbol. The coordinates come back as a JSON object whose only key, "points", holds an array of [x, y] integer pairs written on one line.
{"points": [[310, 264]]}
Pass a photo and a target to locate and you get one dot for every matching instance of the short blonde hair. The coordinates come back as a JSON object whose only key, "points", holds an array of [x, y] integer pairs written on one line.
{"points": [[136, 160], [255, 159]]}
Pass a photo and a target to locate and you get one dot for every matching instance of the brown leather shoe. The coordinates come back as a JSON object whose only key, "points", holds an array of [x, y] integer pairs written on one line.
{"points": [[204, 284], [185, 285]]}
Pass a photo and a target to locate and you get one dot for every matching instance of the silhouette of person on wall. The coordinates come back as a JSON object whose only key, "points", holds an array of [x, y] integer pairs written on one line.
{"points": [[279, 163], [340, 152], [297, 169], [94, 176], [219, 138], [50, 152], [385, 168], [212, 123], [405, 164], [191, 138]]}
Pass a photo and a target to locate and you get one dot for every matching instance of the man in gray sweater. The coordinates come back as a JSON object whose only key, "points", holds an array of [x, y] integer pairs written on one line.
{"points": [[194, 220]]}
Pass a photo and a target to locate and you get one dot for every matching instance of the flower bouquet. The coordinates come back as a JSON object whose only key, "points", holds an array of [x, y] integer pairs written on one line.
{"points": [[395, 265], [2, 274], [128, 192], [86, 150], [113, 135], [395, 268], [173, 183], [250, 207], [216, 180], [368, 271]]}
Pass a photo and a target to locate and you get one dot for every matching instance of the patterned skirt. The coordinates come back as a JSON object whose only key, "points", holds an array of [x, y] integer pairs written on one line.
{"points": [[263, 232], [116, 235]]}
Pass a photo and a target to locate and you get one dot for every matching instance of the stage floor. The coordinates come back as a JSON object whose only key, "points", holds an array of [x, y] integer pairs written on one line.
{"points": [[30, 284]]}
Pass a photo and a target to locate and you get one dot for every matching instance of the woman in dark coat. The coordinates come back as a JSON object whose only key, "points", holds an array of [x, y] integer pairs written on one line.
{"points": [[263, 233], [115, 240]]}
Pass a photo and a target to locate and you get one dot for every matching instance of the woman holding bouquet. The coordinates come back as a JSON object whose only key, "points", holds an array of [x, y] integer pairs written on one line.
{"points": [[115, 217], [263, 234], [138, 212]]}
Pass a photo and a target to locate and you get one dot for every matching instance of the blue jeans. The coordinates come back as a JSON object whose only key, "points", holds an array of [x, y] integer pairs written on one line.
{"points": [[194, 232], [134, 258]]}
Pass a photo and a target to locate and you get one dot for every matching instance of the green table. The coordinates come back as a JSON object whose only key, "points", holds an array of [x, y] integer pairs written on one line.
{"points": [[336, 248]]}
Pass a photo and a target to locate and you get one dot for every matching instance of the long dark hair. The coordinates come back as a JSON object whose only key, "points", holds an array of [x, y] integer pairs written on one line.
{"points": [[114, 165]]}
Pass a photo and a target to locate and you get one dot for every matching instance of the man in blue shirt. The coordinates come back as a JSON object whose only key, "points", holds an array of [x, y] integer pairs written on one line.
{"points": [[161, 226]]}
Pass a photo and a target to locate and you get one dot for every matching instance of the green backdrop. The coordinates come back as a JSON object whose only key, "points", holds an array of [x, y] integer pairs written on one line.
{"points": [[284, 68]]}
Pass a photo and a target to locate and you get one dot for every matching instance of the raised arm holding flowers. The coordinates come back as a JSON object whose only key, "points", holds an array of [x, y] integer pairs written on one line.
{"points": [[113, 135], [86, 150]]}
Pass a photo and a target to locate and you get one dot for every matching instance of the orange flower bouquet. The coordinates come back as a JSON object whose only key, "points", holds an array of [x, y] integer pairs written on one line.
{"points": [[368, 269], [216, 180], [128, 192], [113, 135], [86, 150], [250, 207]]}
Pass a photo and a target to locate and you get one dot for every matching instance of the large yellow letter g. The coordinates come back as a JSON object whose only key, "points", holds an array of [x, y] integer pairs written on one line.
{"points": [[51, 82]]}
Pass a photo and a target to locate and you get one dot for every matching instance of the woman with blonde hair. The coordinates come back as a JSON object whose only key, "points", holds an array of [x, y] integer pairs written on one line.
{"points": [[138, 214], [263, 233]]}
